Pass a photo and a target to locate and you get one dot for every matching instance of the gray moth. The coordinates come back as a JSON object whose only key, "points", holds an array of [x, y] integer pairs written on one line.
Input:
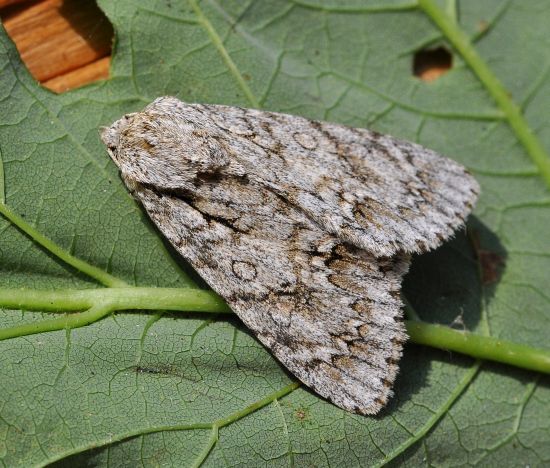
{"points": [[305, 228]]}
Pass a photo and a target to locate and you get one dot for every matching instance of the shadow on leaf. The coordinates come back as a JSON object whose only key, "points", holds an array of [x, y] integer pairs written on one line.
{"points": [[449, 286]]}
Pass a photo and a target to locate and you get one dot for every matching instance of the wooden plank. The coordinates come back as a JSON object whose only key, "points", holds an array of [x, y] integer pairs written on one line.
{"points": [[59, 37], [5, 3], [98, 70]]}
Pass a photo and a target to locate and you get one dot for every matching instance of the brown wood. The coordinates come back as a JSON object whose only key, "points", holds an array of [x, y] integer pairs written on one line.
{"points": [[95, 71], [4, 3], [64, 43], [430, 64]]}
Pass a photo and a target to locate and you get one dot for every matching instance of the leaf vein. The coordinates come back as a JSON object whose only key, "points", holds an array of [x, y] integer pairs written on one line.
{"points": [[218, 44]]}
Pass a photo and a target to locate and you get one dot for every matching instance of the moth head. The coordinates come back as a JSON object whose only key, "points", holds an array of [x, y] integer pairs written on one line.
{"points": [[167, 151], [111, 137]]}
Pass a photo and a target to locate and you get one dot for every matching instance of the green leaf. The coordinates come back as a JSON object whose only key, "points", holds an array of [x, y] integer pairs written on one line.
{"points": [[161, 389]]}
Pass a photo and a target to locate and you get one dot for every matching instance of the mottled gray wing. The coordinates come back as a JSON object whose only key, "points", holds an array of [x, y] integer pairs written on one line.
{"points": [[303, 227], [372, 190], [330, 312], [377, 192]]}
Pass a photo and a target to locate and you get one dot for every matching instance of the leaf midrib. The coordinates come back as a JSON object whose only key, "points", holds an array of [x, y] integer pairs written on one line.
{"points": [[514, 115]]}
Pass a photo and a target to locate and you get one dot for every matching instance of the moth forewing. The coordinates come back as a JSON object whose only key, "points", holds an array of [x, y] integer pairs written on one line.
{"points": [[303, 227]]}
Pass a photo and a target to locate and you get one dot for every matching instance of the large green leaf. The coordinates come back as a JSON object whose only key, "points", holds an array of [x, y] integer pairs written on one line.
{"points": [[151, 389]]}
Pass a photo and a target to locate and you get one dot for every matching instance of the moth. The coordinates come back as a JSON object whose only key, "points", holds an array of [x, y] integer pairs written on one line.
{"points": [[305, 228]]}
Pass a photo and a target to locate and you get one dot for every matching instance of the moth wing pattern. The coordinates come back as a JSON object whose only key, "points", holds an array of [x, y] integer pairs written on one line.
{"points": [[303, 227], [328, 311], [372, 190]]}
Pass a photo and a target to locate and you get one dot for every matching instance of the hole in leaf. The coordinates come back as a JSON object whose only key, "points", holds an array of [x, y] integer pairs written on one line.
{"points": [[64, 43], [430, 64]]}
